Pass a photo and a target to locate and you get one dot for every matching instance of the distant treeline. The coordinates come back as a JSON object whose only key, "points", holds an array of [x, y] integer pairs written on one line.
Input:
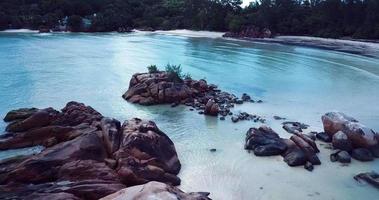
{"points": [[325, 18]]}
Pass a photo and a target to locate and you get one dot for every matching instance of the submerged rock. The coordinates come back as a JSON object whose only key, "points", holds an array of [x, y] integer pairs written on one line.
{"points": [[279, 118], [87, 156], [370, 177], [157, 191]]}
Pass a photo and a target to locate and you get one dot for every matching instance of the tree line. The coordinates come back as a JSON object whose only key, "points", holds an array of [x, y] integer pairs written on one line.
{"points": [[324, 18]]}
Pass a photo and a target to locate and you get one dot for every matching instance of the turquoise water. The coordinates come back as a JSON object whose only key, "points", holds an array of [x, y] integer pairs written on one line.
{"points": [[42, 70]]}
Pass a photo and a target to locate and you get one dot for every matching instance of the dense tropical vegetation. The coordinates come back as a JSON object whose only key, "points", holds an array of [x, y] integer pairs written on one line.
{"points": [[325, 18]]}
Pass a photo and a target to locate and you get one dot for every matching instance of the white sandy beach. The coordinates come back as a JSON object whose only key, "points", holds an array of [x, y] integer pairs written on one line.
{"points": [[348, 46]]}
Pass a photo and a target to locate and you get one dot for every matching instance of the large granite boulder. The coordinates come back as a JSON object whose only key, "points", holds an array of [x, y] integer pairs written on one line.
{"points": [[86, 155], [359, 135], [146, 154], [157, 191], [334, 121]]}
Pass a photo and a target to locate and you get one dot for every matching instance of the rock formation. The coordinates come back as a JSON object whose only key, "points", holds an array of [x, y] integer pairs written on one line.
{"points": [[161, 88], [298, 150], [86, 155]]}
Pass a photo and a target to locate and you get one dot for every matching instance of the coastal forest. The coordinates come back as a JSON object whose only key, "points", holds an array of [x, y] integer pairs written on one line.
{"points": [[324, 18]]}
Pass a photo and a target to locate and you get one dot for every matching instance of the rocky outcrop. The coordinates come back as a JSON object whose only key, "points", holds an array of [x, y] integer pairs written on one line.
{"points": [[298, 150], [157, 191], [250, 32], [161, 88], [86, 155], [347, 134]]}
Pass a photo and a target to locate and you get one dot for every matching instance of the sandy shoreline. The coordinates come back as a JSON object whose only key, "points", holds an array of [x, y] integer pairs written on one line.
{"points": [[370, 49]]}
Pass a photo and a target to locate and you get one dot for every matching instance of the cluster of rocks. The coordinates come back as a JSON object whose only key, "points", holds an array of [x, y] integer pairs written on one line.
{"points": [[86, 155], [296, 151], [349, 138], [160, 88], [250, 32], [246, 116], [294, 127]]}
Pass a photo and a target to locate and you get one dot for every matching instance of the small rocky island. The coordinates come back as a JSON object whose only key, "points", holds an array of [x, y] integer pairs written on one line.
{"points": [[170, 87], [88, 156]]}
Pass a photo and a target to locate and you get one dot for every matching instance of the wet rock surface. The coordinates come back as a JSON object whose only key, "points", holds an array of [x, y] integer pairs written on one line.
{"points": [[294, 127], [87, 156], [296, 151], [351, 137], [157, 191], [159, 88]]}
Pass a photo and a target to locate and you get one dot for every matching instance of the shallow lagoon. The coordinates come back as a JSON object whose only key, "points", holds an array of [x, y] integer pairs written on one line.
{"points": [[298, 83]]}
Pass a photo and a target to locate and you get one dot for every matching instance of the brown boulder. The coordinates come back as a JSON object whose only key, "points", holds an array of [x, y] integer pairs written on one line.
{"points": [[334, 121], [146, 153], [211, 108], [157, 191], [359, 135]]}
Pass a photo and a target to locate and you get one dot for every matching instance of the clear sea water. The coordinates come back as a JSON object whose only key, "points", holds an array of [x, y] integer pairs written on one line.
{"points": [[301, 84]]}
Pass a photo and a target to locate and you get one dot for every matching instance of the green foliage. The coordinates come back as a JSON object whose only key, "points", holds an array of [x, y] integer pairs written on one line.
{"points": [[326, 18], [75, 22], [187, 76], [152, 69], [175, 73]]}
